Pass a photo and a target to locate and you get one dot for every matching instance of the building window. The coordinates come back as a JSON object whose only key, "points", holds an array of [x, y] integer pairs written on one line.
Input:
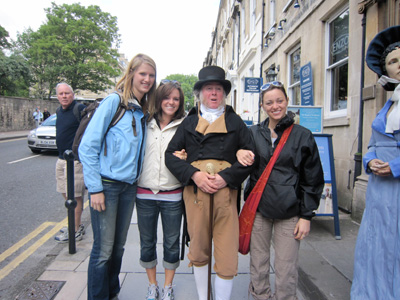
{"points": [[294, 76], [253, 7], [337, 65], [243, 25], [272, 13]]}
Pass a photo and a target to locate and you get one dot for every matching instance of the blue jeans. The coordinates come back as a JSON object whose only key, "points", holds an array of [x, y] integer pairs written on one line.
{"points": [[171, 217], [110, 229]]}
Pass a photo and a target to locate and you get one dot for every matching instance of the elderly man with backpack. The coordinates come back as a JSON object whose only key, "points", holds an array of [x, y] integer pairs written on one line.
{"points": [[68, 120]]}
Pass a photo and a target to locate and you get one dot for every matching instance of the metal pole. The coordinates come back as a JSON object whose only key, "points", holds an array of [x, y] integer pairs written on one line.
{"points": [[210, 170], [70, 203]]}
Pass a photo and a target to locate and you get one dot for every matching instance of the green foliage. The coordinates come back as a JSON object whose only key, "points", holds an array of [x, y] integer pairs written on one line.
{"points": [[187, 83], [14, 71], [77, 45], [4, 44]]}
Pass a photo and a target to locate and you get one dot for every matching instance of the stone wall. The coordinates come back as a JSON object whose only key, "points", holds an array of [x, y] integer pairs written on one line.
{"points": [[16, 113]]}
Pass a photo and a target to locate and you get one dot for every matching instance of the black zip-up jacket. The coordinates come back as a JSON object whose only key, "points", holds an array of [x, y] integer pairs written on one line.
{"points": [[219, 146], [296, 182]]}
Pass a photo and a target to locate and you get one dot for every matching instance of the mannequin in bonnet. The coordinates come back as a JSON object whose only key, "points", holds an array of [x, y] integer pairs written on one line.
{"points": [[377, 255]]}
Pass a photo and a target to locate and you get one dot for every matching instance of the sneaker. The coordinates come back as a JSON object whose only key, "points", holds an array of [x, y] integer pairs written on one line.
{"points": [[81, 228], [152, 292], [168, 293], [63, 237]]}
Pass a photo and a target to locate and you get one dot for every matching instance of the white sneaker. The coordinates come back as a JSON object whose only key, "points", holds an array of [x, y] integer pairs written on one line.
{"points": [[152, 292], [168, 293]]}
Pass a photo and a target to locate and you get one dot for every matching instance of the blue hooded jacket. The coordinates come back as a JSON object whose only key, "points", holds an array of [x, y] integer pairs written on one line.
{"points": [[125, 149]]}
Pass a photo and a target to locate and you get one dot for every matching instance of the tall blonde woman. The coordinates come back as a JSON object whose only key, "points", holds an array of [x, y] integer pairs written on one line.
{"points": [[111, 177]]}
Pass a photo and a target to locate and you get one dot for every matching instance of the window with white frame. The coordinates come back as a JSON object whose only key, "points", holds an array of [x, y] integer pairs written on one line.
{"points": [[243, 24], [272, 13], [253, 6], [294, 76], [337, 54]]}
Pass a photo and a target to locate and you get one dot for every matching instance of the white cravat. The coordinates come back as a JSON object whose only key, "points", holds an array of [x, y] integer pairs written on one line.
{"points": [[211, 114], [393, 120]]}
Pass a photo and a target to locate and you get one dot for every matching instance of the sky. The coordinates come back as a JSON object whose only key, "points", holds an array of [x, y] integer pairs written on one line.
{"points": [[175, 33]]}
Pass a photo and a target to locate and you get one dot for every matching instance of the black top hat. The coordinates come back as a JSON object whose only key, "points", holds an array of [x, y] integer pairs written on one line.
{"points": [[378, 46], [212, 74]]}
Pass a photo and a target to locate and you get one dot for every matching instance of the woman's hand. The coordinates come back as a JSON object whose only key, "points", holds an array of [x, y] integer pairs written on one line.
{"points": [[245, 157], [97, 202], [181, 154], [379, 168], [302, 229]]}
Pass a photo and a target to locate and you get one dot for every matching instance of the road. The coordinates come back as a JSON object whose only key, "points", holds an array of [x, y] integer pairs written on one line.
{"points": [[31, 213]]}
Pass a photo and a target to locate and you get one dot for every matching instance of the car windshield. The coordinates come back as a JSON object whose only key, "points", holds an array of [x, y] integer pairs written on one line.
{"points": [[50, 121]]}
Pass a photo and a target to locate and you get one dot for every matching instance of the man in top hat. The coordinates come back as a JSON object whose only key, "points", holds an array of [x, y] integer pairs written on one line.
{"points": [[211, 133], [377, 255]]}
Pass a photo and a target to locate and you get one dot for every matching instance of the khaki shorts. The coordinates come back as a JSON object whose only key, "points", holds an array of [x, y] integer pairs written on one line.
{"points": [[61, 177]]}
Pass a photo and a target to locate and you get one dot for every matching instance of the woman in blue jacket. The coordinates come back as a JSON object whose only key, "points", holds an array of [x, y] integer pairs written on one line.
{"points": [[111, 166]]}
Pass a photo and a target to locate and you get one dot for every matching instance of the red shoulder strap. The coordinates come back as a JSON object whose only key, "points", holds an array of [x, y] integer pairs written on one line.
{"points": [[262, 181]]}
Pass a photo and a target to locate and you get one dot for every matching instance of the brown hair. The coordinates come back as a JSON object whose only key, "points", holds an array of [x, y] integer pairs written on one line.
{"points": [[162, 92]]}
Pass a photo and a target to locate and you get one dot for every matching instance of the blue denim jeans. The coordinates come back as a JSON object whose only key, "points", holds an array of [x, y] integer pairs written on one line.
{"points": [[110, 229], [171, 217]]}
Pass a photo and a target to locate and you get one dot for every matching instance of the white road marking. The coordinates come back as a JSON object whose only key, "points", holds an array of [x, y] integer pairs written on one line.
{"points": [[22, 159]]}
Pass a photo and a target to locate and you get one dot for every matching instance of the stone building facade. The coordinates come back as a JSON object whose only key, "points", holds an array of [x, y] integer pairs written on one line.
{"points": [[273, 40]]}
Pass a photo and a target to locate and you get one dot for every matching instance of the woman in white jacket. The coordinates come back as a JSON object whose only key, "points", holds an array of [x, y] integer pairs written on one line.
{"points": [[159, 192]]}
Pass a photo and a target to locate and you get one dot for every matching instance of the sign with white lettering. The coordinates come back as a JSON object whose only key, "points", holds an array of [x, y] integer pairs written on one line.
{"points": [[306, 85], [252, 84]]}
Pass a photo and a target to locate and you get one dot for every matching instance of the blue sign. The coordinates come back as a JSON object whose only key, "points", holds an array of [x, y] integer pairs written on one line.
{"points": [[324, 154], [252, 84], [306, 85], [308, 116]]}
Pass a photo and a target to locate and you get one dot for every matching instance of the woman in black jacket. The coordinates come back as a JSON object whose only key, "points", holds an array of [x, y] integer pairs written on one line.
{"points": [[290, 196]]}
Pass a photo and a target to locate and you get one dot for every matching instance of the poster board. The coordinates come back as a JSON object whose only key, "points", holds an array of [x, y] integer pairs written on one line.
{"points": [[308, 116], [328, 203]]}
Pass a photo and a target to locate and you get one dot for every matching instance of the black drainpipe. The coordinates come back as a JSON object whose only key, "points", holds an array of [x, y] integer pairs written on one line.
{"points": [[358, 155], [262, 48]]}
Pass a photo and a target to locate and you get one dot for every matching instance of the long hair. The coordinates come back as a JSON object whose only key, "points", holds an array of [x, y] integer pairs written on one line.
{"points": [[125, 84], [162, 92]]}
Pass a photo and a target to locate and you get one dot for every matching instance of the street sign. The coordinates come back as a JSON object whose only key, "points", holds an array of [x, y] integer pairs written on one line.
{"points": [[252, 84], [306, 85]]}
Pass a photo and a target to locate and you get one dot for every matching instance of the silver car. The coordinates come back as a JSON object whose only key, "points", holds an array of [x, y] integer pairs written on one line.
{"points": [[44, 137]]}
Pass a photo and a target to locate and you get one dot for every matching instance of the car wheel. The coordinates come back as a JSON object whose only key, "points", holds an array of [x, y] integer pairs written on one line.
{"points": [[36, 151]]}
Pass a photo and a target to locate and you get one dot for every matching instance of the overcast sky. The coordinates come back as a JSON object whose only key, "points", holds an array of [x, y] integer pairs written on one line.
{"points": [[175, 33]]}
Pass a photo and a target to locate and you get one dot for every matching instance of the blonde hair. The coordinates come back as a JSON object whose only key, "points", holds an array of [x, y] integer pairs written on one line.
{"points": [[125, 84]]}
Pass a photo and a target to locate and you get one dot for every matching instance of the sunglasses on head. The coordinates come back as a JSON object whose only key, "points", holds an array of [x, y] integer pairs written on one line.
{"points": [[165, 81], [271, 83]]}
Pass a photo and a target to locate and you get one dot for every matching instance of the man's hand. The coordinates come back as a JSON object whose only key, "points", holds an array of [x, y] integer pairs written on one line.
{"points": [[205, 182], [97, 202]]}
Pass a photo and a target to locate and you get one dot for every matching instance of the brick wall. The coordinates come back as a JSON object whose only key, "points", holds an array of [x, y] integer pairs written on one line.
{"points": [[16, 113]]}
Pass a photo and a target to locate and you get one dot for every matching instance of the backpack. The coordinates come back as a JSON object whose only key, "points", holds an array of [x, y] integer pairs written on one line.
{"points": [[85, 117]]}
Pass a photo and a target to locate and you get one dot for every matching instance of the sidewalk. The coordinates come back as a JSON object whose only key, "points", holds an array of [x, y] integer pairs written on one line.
{"points": [[7, 135], [326, 267], [72, 269]]}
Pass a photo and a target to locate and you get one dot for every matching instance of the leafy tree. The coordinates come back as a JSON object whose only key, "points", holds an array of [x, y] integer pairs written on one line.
{"points": [[14, 71], [187, 83], [77, 45]]}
